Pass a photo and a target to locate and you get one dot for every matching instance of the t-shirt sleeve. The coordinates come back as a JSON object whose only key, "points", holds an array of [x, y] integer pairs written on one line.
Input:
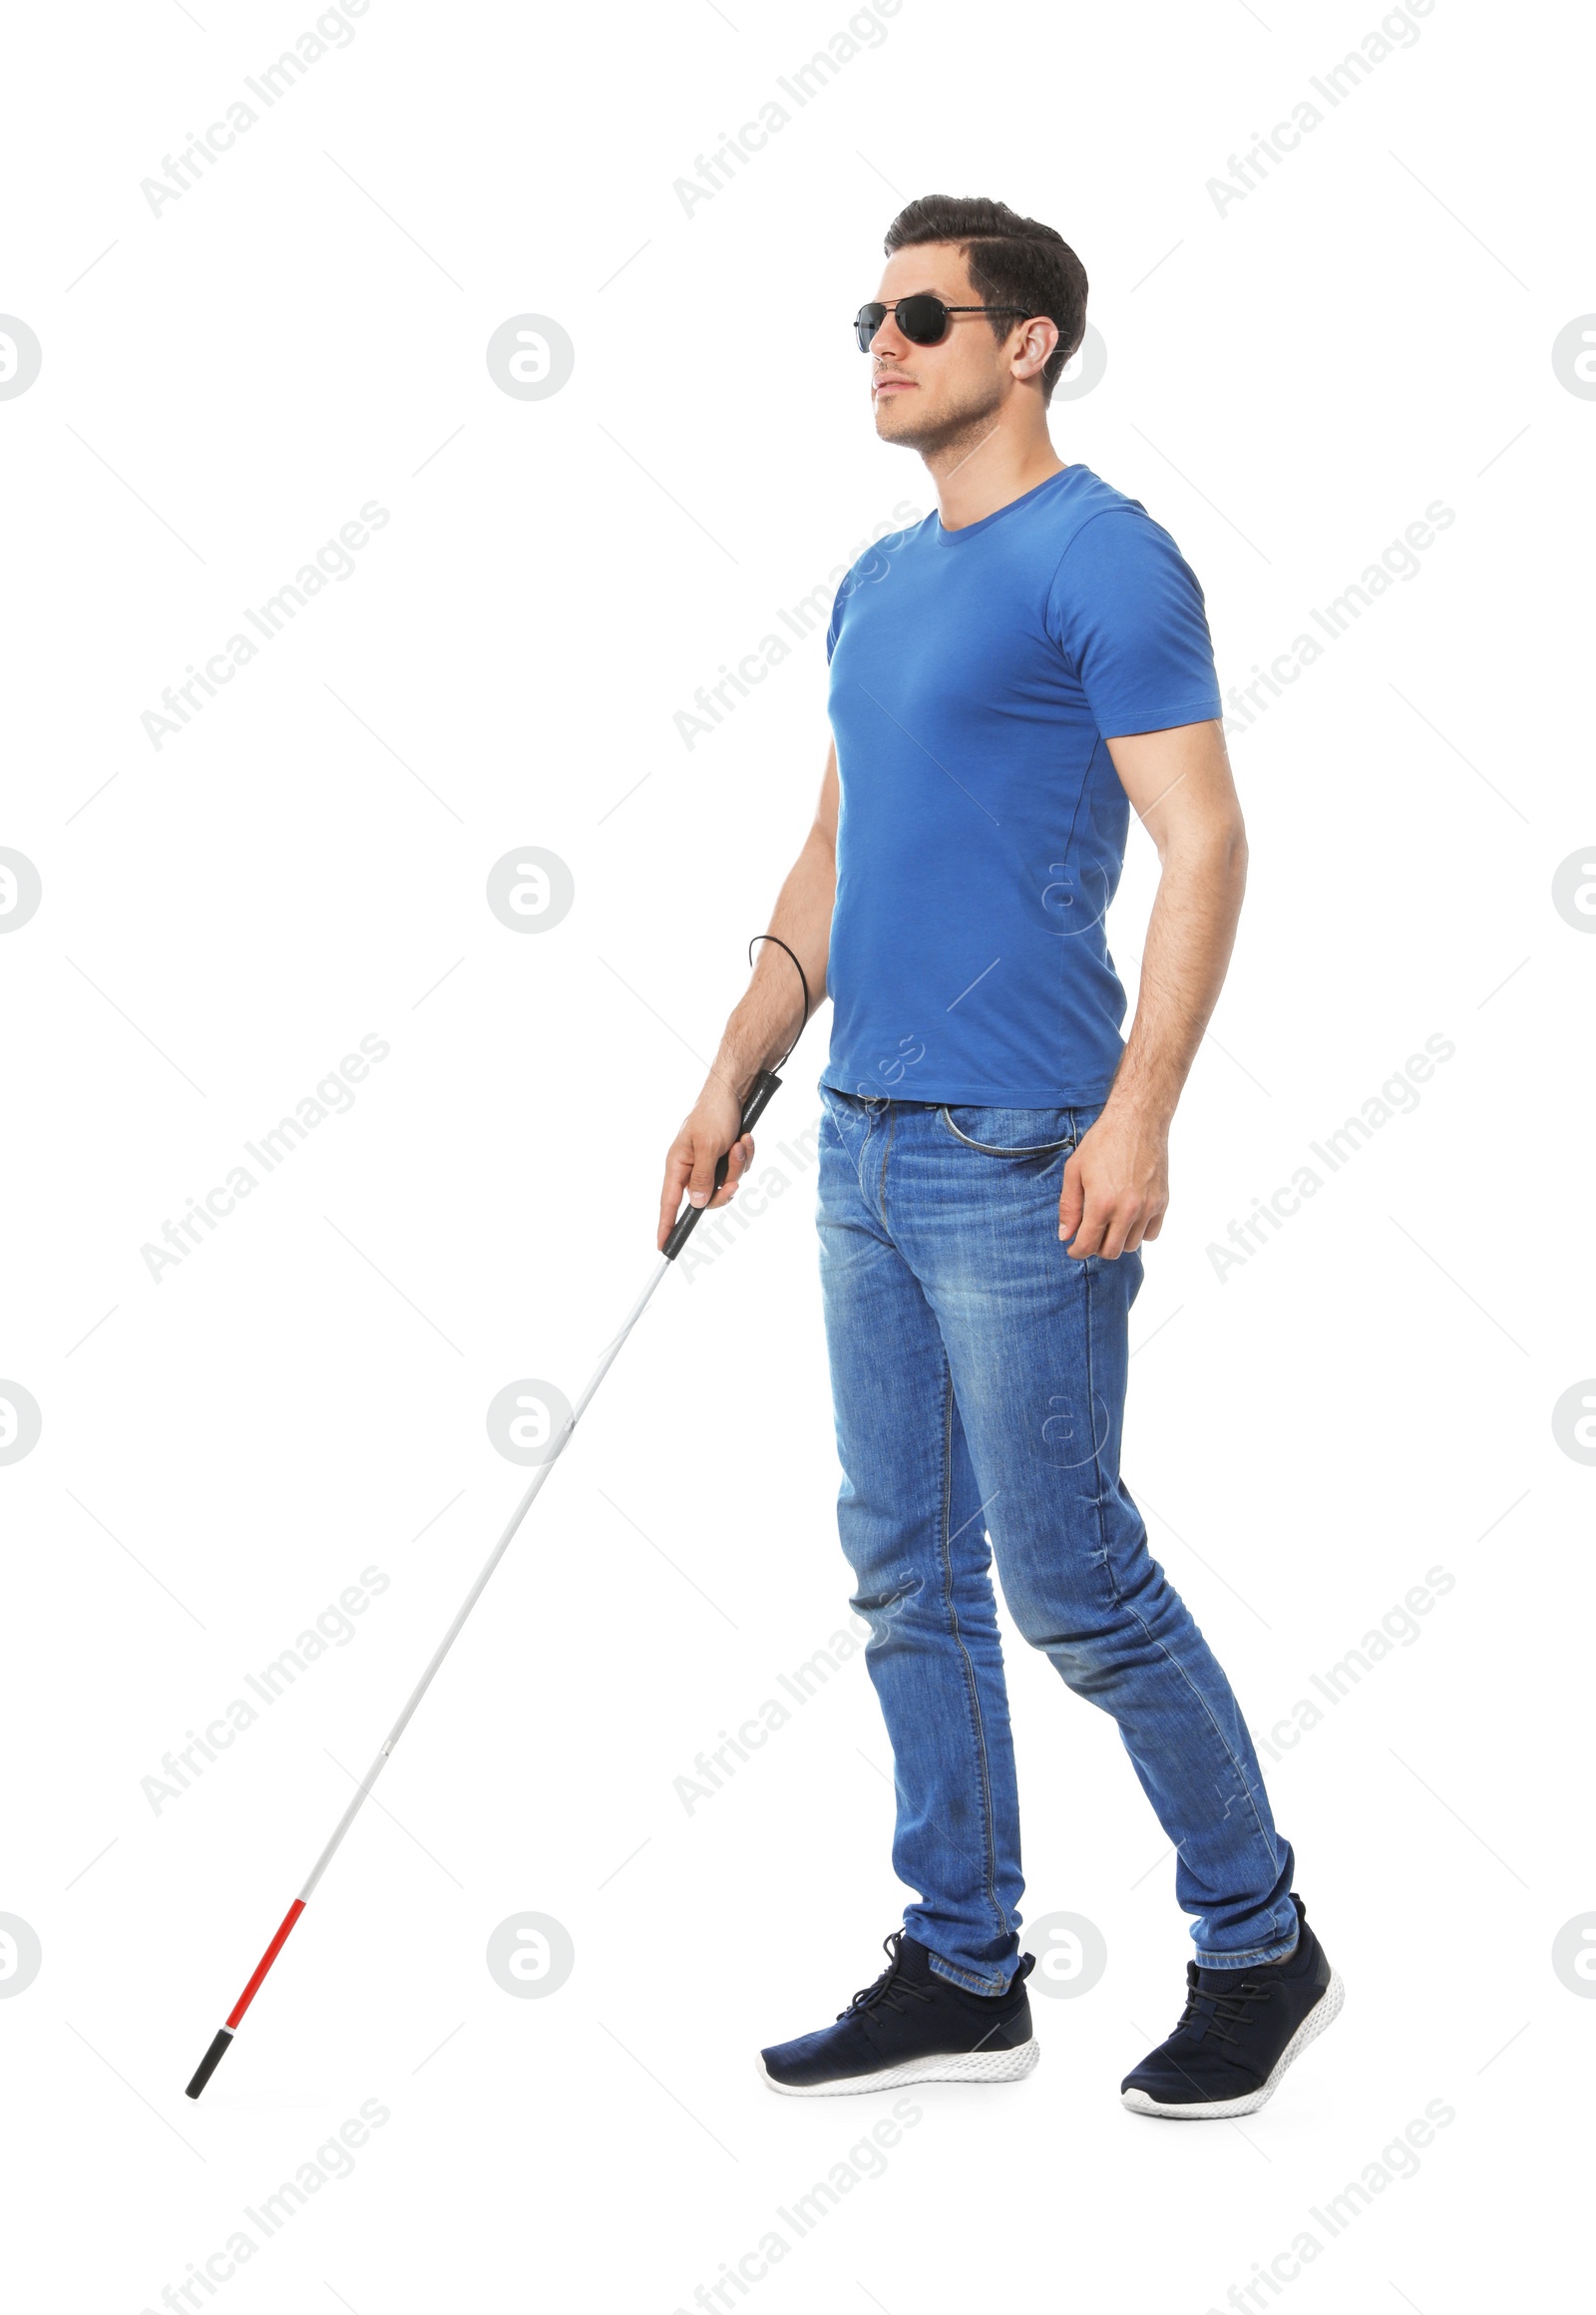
{"points": [[1127, 613], [844, 591]]}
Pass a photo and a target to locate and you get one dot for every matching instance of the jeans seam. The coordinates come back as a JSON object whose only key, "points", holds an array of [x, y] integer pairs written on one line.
{"points": [[858, 1163], [1125, 1607], [990, 1859], [961, 1977], [1256, 1957], [886, 1152]]}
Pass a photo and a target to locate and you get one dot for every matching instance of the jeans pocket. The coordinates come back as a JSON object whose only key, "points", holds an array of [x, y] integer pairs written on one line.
{"points": [[1010, 1133]]}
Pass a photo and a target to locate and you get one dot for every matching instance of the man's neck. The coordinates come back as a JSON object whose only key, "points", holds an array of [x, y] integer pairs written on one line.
{"points": [[975, 477]]}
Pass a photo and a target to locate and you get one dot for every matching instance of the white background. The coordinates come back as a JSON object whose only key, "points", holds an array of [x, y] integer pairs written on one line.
{"points": [[1290, 383]]}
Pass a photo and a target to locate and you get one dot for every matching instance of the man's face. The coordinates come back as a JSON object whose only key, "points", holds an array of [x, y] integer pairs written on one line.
{"points": [[924, 396]]}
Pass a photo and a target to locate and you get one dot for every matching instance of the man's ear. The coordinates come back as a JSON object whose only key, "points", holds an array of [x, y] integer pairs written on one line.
{"points": [[1036, 339]]}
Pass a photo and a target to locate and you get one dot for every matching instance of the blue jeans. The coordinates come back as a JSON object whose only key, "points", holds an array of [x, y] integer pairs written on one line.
{"points": [[979, 1381]]}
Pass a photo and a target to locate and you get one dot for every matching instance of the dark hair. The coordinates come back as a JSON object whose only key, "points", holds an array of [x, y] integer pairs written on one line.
{"points": [[1013, 260]]}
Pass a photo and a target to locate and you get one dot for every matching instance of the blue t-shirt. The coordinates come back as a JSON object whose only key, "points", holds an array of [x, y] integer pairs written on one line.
{"points": [[975, 678]]}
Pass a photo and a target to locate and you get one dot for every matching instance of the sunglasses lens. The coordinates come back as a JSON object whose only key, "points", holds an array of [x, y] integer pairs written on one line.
{"points": [[867, 321], [923, 320]]}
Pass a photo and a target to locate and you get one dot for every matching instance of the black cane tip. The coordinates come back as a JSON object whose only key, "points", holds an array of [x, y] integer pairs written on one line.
{"points": [[208, 2064]]}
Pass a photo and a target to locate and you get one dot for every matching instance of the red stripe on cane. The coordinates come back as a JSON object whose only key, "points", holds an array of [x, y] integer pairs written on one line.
{"points": [[265, 1961]]}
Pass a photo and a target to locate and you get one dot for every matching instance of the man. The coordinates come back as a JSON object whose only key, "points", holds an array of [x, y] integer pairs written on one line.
{"points": [[1009, 680]]}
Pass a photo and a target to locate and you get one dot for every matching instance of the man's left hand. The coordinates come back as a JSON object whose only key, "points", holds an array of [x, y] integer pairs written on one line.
{"points": [[1116, 1184]]}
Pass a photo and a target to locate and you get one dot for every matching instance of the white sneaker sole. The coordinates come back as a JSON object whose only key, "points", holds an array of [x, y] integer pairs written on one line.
{"points": [[971, 2066], [1324, 2013]]}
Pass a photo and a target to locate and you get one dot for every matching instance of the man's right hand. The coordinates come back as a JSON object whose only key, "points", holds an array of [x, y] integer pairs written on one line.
{"points": [[706, 1135]]}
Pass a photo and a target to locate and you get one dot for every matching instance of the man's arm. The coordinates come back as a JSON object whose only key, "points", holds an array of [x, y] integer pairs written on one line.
{"points": [[764, 1024], [1116, 1184]]}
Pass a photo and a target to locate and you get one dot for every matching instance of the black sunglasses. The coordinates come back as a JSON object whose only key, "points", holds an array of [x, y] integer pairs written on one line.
{"points": [[922, 318]]}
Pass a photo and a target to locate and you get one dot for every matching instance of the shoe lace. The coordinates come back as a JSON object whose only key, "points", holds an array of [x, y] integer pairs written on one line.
{"points": [[891, 1987], [1210, 2015]]}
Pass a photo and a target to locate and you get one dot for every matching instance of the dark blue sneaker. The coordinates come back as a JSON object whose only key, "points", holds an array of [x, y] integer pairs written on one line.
{"points": [[910, 2026], [1239, 2030]]}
